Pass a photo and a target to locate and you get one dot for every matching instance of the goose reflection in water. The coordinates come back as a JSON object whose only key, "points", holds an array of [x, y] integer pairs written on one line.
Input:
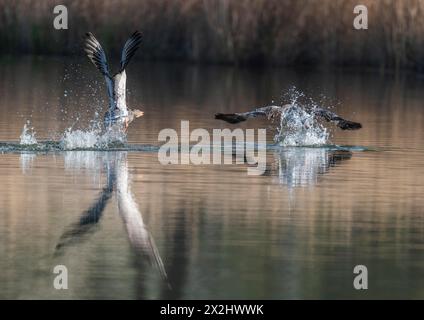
{"points": [[292, 166], [298, 166], [118, 184]]}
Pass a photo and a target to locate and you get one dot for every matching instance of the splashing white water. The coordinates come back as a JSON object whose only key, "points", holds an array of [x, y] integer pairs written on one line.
{"points": [[28, 135], [73, 139], [297, 126], [300, 128], [91, 138]]}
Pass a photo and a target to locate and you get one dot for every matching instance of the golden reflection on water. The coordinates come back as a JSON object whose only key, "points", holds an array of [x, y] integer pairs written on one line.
{"points": [[295, 232]]}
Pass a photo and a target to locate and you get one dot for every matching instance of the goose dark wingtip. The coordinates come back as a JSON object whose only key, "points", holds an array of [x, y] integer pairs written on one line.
{"points": [[89, 35], [232, 118], [349, 125], [221, 116]]}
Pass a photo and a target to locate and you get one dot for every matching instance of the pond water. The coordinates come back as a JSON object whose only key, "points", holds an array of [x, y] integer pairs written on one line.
{"points": [[127, 227]]}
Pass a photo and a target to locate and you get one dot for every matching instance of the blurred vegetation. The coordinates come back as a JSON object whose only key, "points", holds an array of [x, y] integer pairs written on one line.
{"points": [[283, 32]]}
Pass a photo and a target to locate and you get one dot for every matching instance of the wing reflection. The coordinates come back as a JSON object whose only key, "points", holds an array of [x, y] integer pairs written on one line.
{"points": [[89, 218], [117, 180], [138, 233], [303, 166]]}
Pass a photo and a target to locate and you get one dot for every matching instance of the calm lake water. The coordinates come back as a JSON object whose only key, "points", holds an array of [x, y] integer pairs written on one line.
{"points": [[127, 227]]}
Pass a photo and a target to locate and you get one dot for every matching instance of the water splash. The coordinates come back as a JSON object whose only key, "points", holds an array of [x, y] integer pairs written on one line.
{"points": [[298, 126], [72, 139], [92, 138], [27, 136]]}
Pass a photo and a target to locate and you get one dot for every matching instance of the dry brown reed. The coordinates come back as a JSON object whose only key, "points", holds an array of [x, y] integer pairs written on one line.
{"points": [[285, 32]]}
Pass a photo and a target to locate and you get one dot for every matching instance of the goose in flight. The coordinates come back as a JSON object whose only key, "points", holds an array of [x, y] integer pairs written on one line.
{"points": [[118, 114], [272, 112]]}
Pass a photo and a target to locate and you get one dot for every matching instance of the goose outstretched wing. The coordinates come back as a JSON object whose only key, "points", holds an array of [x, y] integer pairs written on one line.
{"points": [[97, 56], [269, 112], [130, 47], [342, 123]]}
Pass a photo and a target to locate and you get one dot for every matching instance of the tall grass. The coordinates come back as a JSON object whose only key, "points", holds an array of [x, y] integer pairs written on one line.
{"points": [[283, 32]]}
